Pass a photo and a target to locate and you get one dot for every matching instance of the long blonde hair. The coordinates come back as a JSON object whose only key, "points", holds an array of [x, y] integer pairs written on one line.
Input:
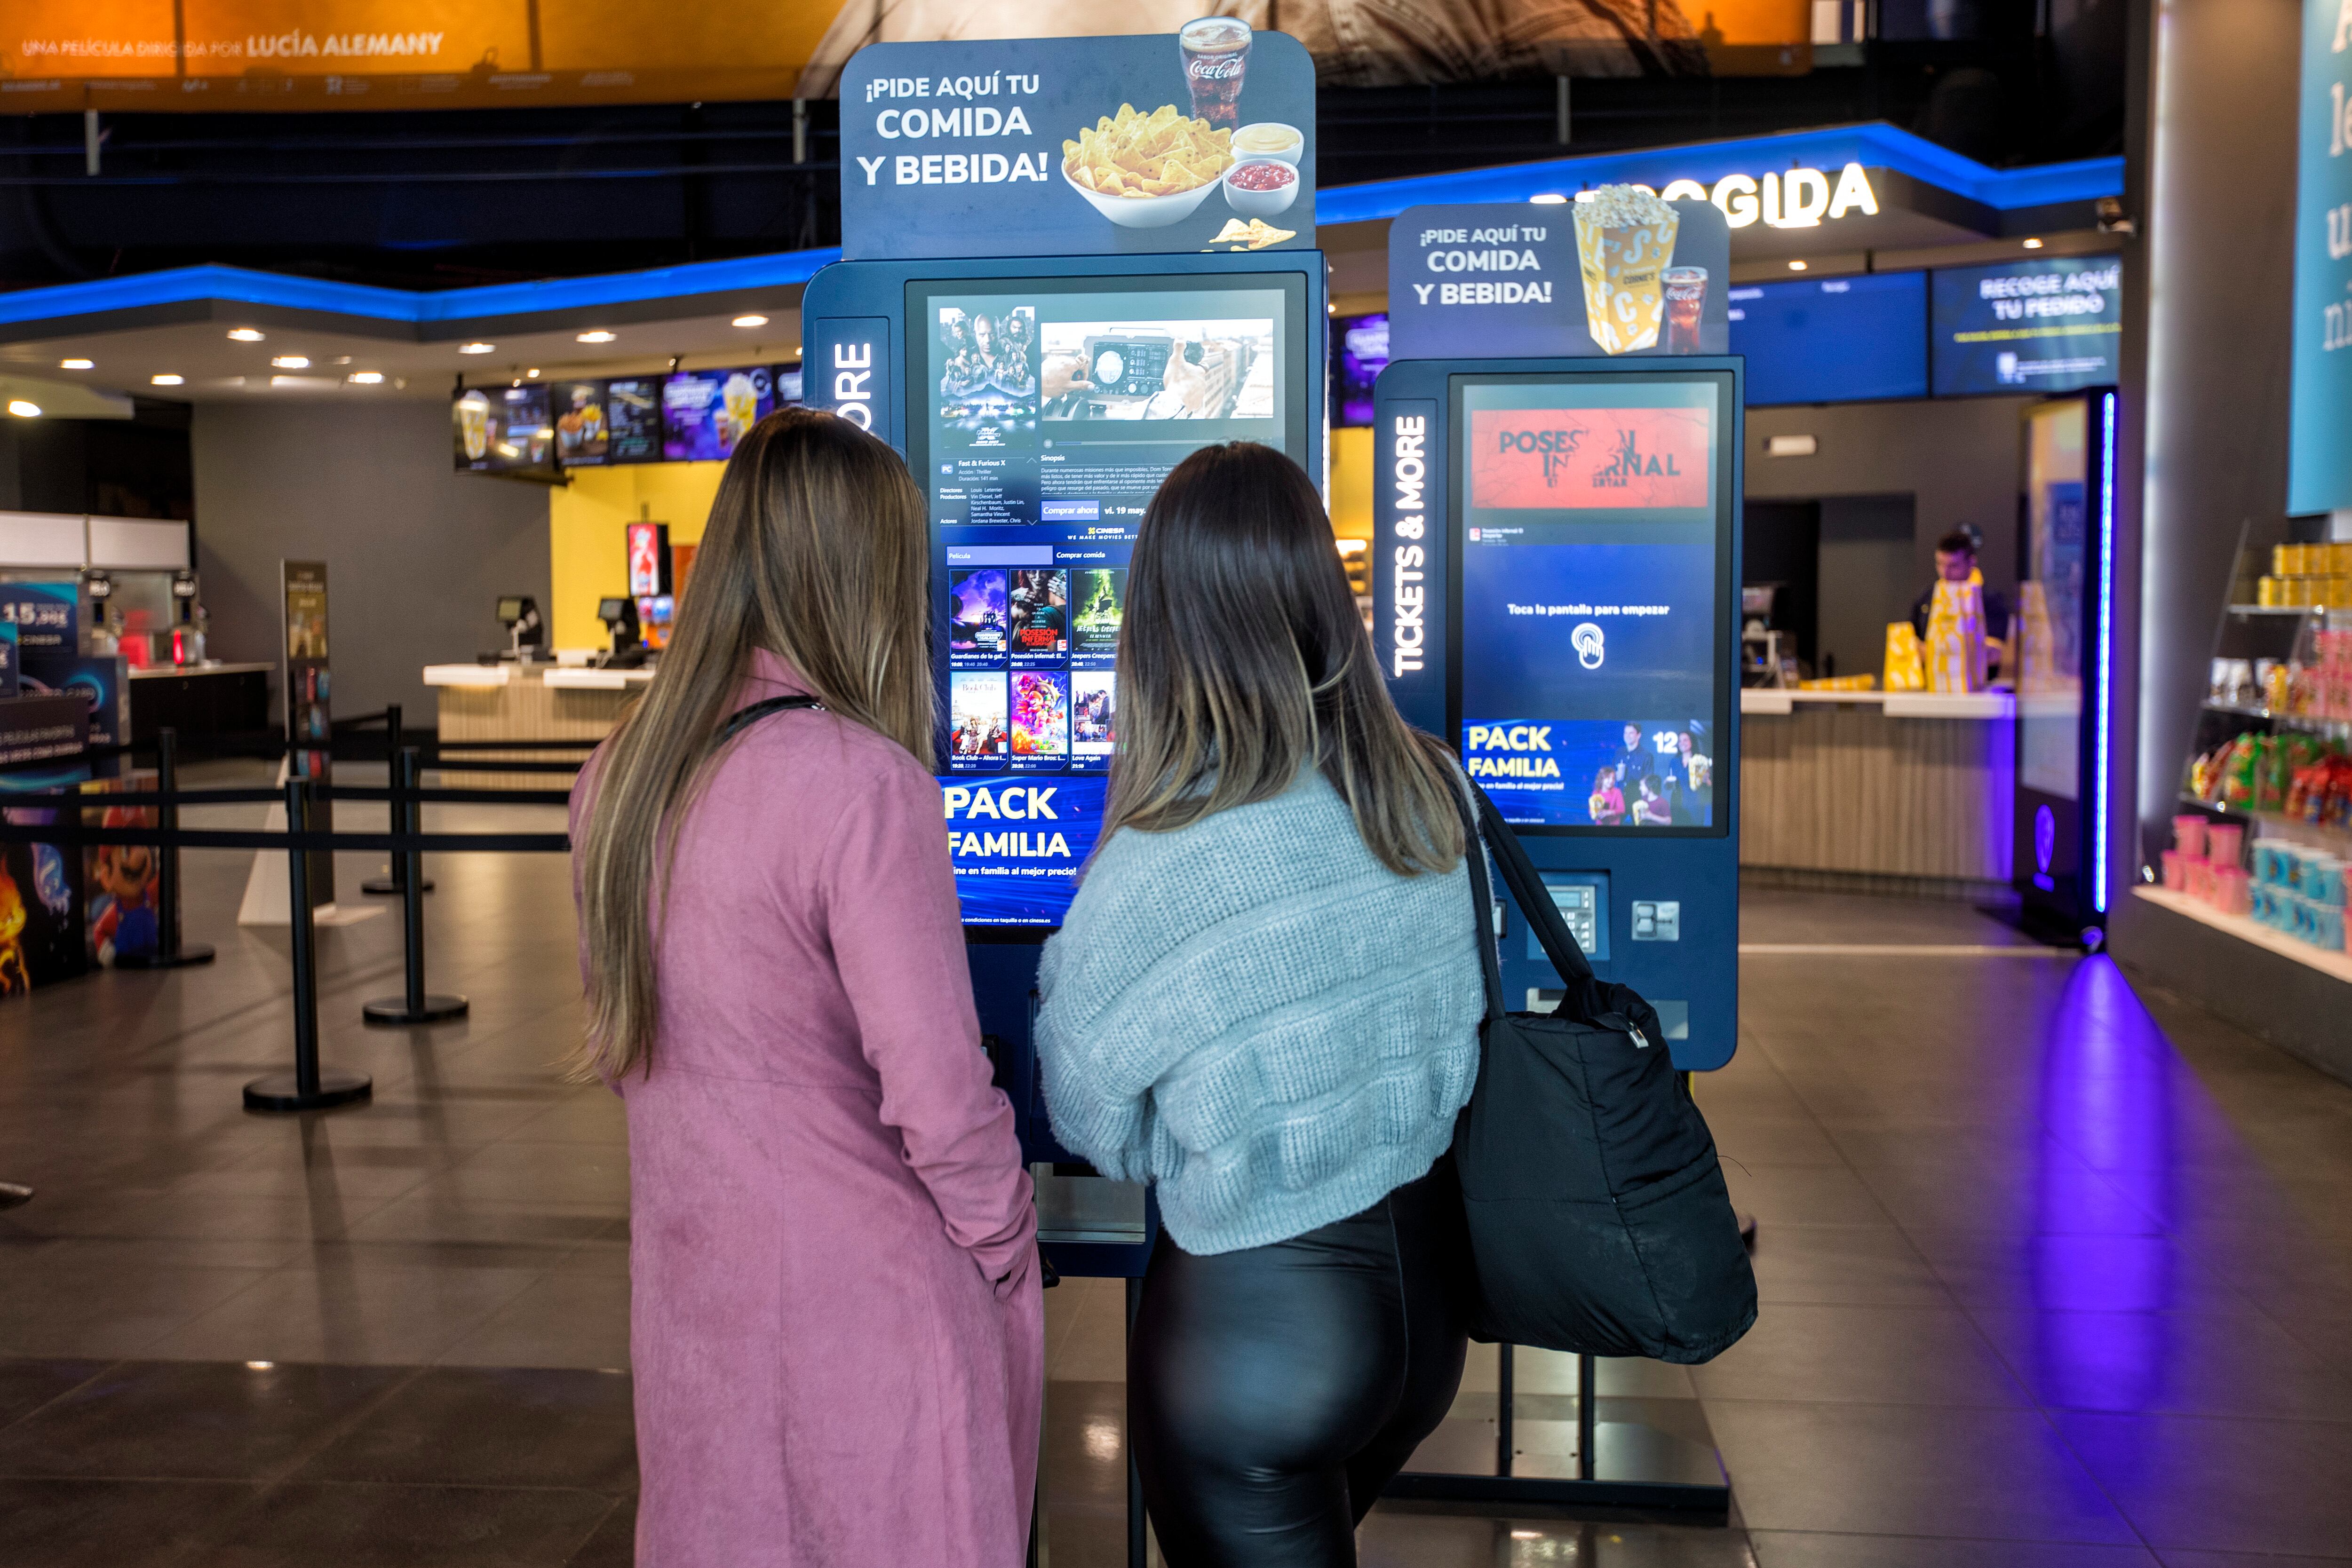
{"points": [[1242, 660], [815, 549]]}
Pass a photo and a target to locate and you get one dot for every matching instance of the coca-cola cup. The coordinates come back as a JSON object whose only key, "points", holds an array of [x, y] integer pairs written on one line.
{"points": [[1686, 289], [1216, 53]]}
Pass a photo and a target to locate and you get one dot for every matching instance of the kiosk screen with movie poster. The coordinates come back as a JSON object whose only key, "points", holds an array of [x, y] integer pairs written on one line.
{"points": [[1595, 554], [1043, 414]]}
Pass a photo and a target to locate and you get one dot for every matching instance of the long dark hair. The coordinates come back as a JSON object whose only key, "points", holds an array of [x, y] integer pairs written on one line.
{"points": [[1242, 659], [814, 550]]}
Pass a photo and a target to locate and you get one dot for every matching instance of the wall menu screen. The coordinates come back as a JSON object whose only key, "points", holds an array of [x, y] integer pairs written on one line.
{"points": [[1589, 673], [1042, 415]]}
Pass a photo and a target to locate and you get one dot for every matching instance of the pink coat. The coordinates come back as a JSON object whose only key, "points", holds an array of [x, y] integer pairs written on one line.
{"points": [[834, 1316]]}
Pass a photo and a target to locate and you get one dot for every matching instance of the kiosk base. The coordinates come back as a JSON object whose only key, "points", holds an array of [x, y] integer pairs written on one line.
{"points": [[1609, 1463], [395, 1010]]}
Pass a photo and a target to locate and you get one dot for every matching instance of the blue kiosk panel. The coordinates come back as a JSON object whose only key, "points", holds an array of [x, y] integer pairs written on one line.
{"points": [[1038, 403], [1554, 589]]}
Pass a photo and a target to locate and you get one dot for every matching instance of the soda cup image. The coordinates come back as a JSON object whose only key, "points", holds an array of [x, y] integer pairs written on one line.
{"points": [[1216, 57], [1624, 237], [740, 403], [473, 426], [1685, 290]]}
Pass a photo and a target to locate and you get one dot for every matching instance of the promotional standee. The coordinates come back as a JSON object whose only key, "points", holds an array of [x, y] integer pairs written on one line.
{"points": [[1555, 579], [1073, 262]]}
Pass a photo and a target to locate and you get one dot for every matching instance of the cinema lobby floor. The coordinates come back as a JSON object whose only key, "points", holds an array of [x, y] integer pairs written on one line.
{"points": [[2055, 1271]]}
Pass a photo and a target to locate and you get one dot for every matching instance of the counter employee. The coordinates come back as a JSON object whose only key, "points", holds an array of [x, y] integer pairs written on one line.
{"points": [[1956, 561]]}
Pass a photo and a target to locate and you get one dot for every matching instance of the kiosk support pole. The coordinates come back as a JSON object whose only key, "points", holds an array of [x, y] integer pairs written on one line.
{"points": [[413, 1006], [1503, 1409], [1588, 1419], [169, 953], [402, 873], [306, 1088]]}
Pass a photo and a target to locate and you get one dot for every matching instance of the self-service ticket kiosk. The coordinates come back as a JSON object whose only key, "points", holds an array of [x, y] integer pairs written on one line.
{"points": [[1556, 590], [1039, 403]]}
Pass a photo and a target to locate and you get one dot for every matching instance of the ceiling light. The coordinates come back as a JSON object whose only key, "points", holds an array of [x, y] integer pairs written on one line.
{"points": [[244, 335], [291, 362], [24, 410], [260, 1365], [367, 378], [166, 380], [2034, 244], [1549, 199], [751, 320], [77, 364], [601, 336], [1796, 267], [532, 374], [475, 348]]}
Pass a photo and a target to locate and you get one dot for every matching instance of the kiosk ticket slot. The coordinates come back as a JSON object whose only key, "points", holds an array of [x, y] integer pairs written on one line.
{"points": [[1573, 628]]}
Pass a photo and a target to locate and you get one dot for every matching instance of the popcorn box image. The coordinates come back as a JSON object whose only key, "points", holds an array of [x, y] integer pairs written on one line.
{"points": [[1902, 670], [1625, 238]]}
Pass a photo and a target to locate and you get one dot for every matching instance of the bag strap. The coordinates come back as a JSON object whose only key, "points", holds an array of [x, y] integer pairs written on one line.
{"points": [[1527, 885], [1482, 894], [744, 718]]}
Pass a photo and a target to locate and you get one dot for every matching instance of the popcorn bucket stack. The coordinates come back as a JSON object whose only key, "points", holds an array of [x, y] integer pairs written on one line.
{"points": [[1904, 673], [1625, 238], [1956, 638]]}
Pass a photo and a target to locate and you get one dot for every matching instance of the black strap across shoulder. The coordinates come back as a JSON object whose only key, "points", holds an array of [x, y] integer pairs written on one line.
{"points": [[744, 718]]}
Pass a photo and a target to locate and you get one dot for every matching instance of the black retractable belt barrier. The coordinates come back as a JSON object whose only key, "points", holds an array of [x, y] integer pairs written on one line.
{"points": [[396, 883], [170, 952], [413, 1006], [305, 1088]]}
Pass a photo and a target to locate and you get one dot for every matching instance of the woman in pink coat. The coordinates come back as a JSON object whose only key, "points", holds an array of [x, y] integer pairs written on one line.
{"points": [[833, 1295]]}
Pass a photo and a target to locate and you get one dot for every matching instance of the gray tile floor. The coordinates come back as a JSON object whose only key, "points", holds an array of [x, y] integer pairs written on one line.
{"points": [[2056, 1270]]}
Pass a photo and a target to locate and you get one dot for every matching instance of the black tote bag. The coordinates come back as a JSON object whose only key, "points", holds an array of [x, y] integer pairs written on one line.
{"points": [[1598, 1216]]}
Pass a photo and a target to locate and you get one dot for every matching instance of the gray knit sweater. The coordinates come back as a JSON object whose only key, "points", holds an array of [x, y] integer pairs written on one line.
{"points": [[1257, 1016]]}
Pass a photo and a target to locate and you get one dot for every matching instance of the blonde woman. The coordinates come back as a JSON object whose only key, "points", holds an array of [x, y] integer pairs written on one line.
{"points": [[833, 1307], [1265, 1000]]}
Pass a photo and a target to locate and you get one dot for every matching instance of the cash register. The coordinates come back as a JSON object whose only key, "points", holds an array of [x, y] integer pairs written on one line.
{"points": [[526, 632], [620, 618]]}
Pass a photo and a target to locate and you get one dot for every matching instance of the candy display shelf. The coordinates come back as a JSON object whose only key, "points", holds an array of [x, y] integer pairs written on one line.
{"points": [[2320, 958], [2309, 723]]}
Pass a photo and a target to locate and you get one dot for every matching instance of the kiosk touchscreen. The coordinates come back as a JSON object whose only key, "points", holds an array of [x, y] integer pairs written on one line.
{"points": [[1556, 595], [1043, 413]]}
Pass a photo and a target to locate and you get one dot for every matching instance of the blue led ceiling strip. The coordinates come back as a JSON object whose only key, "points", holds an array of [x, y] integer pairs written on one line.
{"points": [[1876, 146], [239, 285], [2099, 742]]}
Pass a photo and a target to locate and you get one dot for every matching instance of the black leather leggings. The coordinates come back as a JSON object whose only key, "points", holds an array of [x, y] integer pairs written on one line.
{"points": [[1273, 1392]]}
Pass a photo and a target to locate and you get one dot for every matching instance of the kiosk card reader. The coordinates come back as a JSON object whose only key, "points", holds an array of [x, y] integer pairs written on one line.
{"points": [[1554, 589]]}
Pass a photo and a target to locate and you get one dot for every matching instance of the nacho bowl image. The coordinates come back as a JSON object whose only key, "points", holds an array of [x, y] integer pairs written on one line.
{"points": [[1144, 212], [1146, 170]]}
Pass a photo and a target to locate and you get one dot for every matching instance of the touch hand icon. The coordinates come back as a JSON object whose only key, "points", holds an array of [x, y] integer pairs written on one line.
{"points": [[1586, 640]]}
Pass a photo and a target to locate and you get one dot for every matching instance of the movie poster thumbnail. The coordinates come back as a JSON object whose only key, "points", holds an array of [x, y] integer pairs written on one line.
{"points": [[1158, 369], [1098, 605], [1040, 615], [1630, 774], [988, 376], [1041, 719], [978, 724], [1094, 717], [979, 615]]}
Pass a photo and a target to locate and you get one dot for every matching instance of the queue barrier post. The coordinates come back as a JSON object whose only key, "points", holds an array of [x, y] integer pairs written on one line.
{"points": [[415, 1006], [306, 1088], [170, 952], [396, 883]]}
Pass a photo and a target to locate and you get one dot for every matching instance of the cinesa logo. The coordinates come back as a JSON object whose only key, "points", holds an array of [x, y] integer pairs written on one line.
{"points": [[1555, 446], [1017, 803], [1525, 749]]}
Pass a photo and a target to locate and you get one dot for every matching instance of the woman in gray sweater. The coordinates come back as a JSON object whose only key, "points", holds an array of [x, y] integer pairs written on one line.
{"points": [[1265, 1000]]}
